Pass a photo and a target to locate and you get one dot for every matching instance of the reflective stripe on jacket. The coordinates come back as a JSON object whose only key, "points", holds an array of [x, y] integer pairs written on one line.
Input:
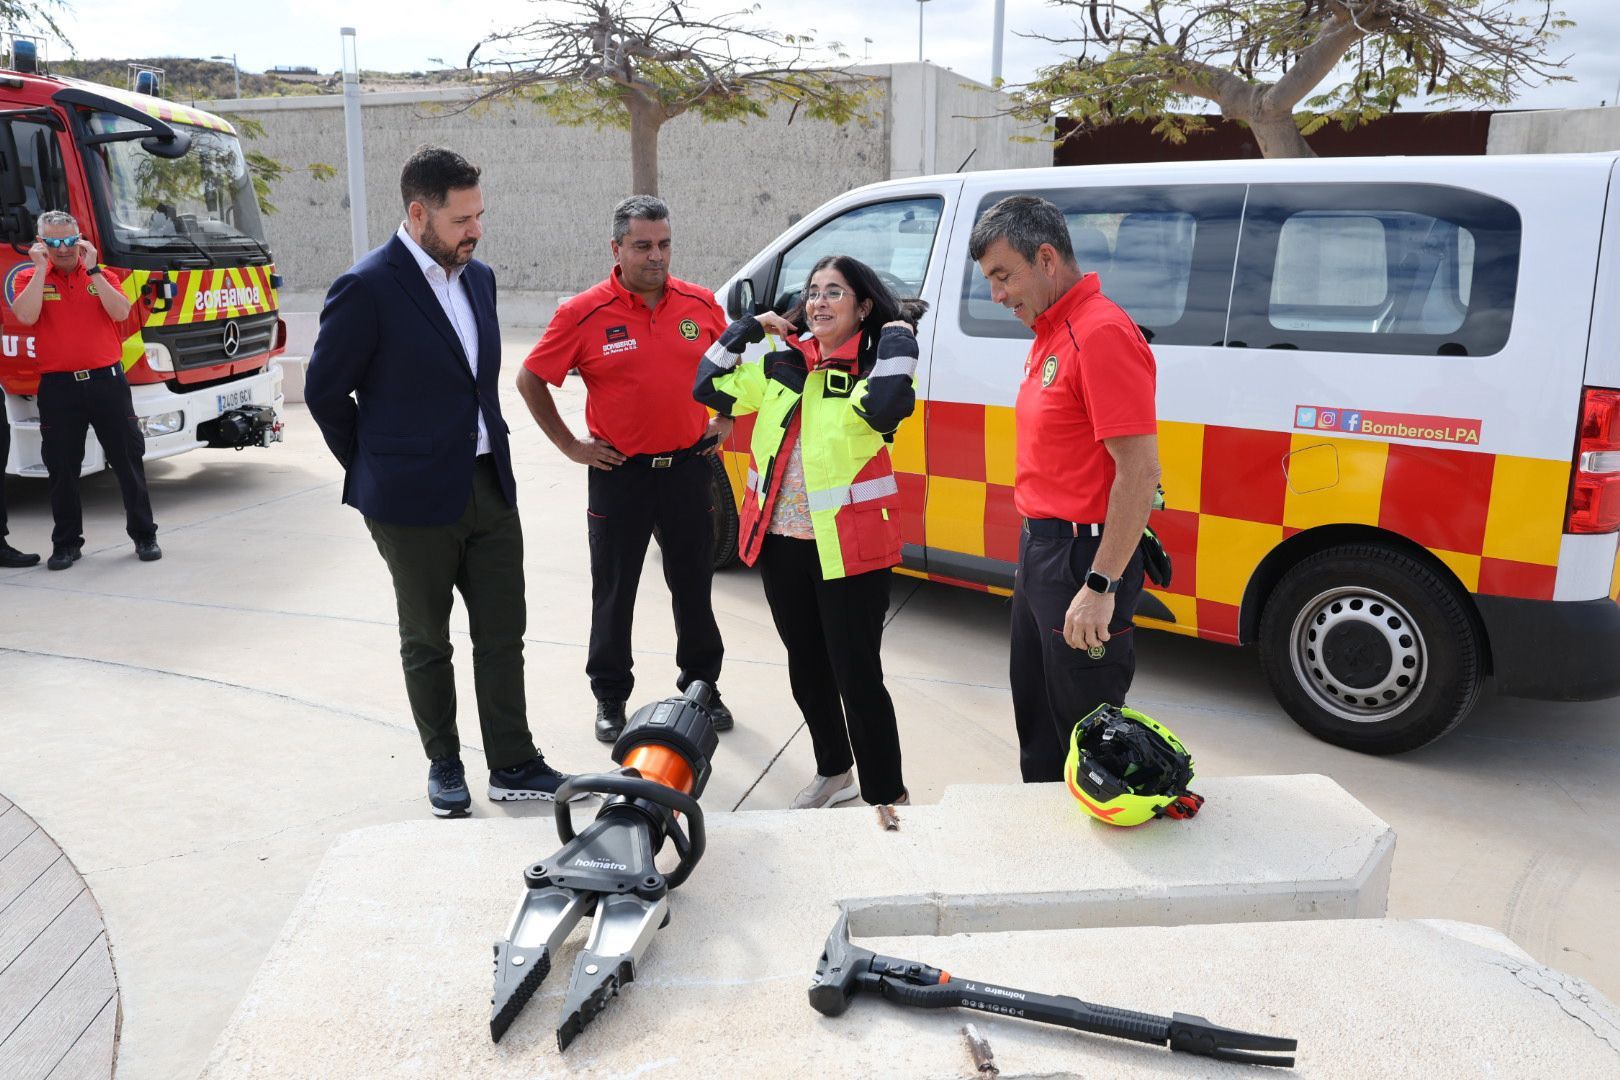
{"points": [[847, 419]]}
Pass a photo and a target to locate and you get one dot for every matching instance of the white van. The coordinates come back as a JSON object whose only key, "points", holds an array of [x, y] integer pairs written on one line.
{"points": [[1389, 420]]}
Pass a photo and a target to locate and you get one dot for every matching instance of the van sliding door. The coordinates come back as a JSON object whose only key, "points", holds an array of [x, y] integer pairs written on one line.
{"points": [[1164, 254]]}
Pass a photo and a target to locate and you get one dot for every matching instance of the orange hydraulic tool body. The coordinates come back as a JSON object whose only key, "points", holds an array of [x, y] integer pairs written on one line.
{"points": [[607, 872]]}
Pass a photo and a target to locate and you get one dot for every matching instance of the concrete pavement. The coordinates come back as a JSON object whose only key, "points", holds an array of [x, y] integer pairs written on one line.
{"points": [[194, 732]]}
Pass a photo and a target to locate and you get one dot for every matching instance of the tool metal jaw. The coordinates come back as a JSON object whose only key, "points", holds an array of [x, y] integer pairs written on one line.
{"points": [[607, 873]]}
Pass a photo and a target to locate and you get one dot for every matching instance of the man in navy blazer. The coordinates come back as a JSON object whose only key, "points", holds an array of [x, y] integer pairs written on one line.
{"points": [[403, 384]]}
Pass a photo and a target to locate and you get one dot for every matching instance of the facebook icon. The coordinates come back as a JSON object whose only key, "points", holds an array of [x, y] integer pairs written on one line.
{"points": [[1352, 421]]}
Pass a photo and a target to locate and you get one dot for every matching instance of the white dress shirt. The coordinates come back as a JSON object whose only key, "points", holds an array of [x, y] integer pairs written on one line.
{"points": [[452, 297]]}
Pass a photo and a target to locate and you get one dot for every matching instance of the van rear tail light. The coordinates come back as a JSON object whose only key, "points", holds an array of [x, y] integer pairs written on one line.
{"points": [[1594, 501]]}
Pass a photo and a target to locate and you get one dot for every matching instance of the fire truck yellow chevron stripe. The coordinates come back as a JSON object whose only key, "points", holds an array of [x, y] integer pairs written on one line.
{"points": [[195, 283], [234, 286]]}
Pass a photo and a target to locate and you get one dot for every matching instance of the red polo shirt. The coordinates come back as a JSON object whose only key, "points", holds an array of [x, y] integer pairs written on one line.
{"points": [[638, 363], [1090, 376], [73, 330]]}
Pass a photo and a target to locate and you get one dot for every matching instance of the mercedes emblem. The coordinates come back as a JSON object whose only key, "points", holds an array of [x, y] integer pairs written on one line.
{"points": [[233, 338]]}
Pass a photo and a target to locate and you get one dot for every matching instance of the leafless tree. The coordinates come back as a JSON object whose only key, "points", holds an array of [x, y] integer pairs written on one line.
{"points": [[637, 64]]}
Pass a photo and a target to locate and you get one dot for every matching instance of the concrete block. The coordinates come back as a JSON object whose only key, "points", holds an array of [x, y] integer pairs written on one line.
{"points": [[292, 376], [384, 966]]}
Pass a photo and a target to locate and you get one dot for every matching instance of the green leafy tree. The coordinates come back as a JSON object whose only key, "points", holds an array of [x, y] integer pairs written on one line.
{"points": [[637, 64], [34, 16], [1287, 67]]}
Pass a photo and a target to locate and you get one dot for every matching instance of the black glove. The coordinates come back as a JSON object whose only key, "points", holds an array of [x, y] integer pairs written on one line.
{"points": [[745, 331], [1155, 560]]}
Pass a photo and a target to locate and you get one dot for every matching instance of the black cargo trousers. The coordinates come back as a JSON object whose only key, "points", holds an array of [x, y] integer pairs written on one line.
{"points": [[1053, 685], [669, 492], [71, 405]]}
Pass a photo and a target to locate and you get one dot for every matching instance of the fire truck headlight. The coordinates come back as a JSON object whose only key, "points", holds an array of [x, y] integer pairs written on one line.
{"points": [[163, 423], [158, 357]]}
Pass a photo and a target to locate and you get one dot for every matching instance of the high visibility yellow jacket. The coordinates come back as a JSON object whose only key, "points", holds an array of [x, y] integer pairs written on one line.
{"points": [[845, 410]]}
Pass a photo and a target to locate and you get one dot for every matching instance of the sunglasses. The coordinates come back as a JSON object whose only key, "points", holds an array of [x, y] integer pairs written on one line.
{"points": [[60, 241]]}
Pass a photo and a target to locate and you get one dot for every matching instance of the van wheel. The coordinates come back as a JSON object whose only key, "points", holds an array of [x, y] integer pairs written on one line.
{"points": [[1369, 649], [723, 515]]}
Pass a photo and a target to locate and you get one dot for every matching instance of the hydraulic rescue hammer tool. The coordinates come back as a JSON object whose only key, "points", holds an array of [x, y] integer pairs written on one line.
{"points": [[846, 969], [607, 872]]}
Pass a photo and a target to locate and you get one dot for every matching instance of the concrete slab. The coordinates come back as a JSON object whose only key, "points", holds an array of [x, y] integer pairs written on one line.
{"points": [[385, 960]]}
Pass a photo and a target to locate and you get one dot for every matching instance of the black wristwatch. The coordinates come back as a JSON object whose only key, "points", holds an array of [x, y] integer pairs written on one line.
{"points": [[1101, 583], [93, 271]]}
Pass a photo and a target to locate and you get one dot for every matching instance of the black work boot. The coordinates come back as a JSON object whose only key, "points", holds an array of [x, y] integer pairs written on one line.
{"points": [[63, 556], [147, 550], [719, 715], [609, 720], [11, 558]]}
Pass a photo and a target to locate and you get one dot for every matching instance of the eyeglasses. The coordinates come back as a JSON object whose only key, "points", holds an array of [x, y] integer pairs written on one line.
{"points": [[832, 294], [60, 241]]}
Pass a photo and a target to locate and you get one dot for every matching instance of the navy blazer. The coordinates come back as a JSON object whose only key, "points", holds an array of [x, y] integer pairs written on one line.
{"points": [[391, 390]]}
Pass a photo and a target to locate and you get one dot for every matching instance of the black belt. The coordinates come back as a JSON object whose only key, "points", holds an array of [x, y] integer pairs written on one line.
{"points": [[1053, 528], [664, 461], [111, 371]]}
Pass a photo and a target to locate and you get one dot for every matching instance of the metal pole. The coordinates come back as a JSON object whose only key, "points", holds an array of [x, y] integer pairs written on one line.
{"points": [[920, 4], [237, 72], [356, 151], [995, 49]]}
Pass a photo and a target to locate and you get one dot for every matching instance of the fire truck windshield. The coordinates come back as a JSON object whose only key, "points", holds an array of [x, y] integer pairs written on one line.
{"points": [[202, 203]]}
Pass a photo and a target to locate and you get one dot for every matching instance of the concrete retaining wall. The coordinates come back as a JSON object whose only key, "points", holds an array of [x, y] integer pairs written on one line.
{"points": [[550, 189]]}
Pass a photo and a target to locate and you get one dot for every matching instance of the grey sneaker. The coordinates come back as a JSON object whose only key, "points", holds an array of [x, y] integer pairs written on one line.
{"points": [[827, 790]]}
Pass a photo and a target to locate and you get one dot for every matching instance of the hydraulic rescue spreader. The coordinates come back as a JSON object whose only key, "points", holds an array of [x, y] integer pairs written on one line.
{"points": [[607, 872]]}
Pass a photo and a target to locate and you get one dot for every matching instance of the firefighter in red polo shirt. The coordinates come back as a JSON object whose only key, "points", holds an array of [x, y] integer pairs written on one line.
{"points": [[74, 306], [636, 339], [1087, 470]]}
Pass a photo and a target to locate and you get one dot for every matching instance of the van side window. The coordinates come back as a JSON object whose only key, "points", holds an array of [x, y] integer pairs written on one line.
{"points": [[894, 238], [1380, 268], [1162, 254]]}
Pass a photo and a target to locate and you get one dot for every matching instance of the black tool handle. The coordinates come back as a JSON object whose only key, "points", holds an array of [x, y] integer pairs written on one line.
{"points": [[634, 787], [1063, 1011]]}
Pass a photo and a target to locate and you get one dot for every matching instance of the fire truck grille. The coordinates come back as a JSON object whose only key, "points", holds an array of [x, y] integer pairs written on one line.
{"points": [[202, 344]]}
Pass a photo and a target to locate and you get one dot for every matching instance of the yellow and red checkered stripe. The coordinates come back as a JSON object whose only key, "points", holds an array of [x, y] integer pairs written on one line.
{"points": [[1233, 495], [248, 286]]}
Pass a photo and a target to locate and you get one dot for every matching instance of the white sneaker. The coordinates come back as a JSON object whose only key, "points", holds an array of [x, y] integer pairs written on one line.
{"points": [[826, 790]]}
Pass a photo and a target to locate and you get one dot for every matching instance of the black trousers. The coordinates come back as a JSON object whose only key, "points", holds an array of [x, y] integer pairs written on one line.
{"points": [[1053, 685], [480, 556], [624, 505], [833, 631], [5, 452], [69, 409]]}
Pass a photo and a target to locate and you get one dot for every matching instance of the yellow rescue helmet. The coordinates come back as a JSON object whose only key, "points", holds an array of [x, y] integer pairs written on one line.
{"points": [[1126, 768]]}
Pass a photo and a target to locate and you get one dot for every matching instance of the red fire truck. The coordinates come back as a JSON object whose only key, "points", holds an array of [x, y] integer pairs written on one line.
{"points": [[164, 193]]}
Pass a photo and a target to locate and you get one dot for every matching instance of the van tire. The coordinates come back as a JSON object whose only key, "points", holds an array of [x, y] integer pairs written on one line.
{"points": [[1370, 649], [723, 512]]}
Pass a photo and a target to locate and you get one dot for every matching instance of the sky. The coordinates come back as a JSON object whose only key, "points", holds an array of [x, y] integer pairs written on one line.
{"points": [[408, 35]]}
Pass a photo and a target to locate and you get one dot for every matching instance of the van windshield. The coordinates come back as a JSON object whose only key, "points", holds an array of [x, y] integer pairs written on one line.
{"points": [[203, 203]]}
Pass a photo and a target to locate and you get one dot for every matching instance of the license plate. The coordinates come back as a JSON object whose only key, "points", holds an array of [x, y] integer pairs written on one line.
{"points": [[235, 398]]}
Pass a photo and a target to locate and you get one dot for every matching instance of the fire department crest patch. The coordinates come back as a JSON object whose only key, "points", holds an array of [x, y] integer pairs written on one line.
{"points": [[689, 329], [1048, 371]]}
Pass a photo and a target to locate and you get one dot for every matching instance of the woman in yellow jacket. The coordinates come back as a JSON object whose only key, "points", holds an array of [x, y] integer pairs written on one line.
{"points": [[821, 512]]}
